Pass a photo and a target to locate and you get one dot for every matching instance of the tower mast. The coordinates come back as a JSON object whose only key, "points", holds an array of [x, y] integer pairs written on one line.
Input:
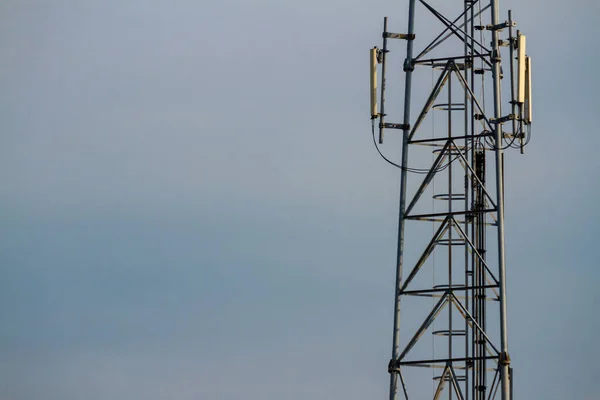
{"points": [[454, 166]]}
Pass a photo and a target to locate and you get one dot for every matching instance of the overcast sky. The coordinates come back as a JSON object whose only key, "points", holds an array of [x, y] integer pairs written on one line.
{"points": [[191, 207]]}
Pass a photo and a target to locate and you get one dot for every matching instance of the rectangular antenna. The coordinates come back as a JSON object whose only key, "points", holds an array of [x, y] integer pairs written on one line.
{"points": [[521, 43], [373, 52], [528, 117]]}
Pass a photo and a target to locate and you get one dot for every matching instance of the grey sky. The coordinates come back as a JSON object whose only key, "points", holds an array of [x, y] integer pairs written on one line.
{"points": [[192, 208]]}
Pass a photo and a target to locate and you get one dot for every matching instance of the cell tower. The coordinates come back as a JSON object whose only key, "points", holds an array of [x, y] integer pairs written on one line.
{"points": [[450, 336]]}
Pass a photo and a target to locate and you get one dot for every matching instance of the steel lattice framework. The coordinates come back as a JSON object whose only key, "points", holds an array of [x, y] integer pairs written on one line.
{"points": [[456, 322]]}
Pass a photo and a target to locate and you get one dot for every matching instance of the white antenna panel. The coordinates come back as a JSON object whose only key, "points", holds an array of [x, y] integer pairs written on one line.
{"points": [[521, 44], [373, 85]]}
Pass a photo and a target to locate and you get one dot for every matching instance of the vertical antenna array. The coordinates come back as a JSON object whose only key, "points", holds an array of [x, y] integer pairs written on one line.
{"points": [[470, 339]]}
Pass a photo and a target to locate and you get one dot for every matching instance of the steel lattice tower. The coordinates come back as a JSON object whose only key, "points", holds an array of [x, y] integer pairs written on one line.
{"points": [[451, 274]]}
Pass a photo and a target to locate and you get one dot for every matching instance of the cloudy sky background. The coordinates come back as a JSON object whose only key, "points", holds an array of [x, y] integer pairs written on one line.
{"points": [[191, 206]]}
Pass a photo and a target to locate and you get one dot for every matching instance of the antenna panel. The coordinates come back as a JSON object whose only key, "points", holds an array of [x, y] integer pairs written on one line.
{"points": [[373, 85], [521, 44], [528, 117]]}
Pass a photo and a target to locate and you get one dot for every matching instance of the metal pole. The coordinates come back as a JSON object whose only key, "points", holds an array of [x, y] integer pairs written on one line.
{"points": [[408, 68], [383, 54], [504, 363], [451, 151], [513, 105], [468, 23]]}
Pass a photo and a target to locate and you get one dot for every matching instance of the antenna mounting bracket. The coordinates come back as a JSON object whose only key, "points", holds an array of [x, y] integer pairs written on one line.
{"points": [[405, 36]]}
